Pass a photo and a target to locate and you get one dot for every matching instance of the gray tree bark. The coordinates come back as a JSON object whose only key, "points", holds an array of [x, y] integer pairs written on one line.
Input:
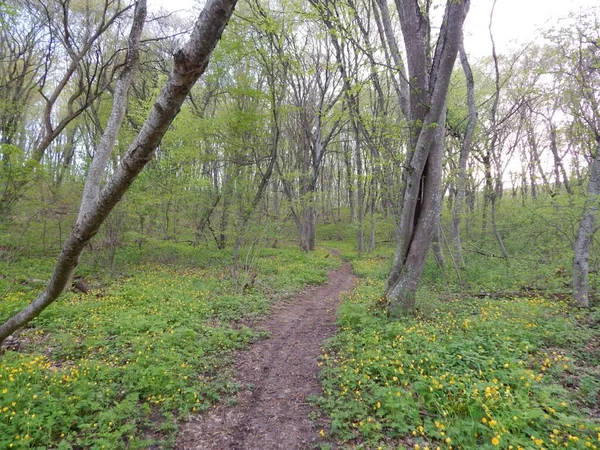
{"points": [[190, 62], [360, 195], [93, 182], [95, 175], [585, 234], [422, 193], [491, 190], [386, 32], [559, 167], [461, 180]]}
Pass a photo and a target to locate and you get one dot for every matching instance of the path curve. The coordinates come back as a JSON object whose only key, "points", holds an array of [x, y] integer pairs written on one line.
{"points": [[277, 375]]}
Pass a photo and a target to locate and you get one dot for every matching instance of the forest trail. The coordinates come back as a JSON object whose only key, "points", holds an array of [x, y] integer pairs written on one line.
{"points": [[277, 375]]}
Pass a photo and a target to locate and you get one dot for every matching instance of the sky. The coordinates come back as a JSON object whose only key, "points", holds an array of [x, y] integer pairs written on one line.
{"points": [[515, 21]]}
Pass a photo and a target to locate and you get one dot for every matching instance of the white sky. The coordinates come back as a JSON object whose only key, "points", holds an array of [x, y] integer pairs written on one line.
{"points": [[515, 21]]}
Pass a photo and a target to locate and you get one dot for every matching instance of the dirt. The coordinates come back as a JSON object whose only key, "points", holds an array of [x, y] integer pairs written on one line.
{"points": [[277, 375]]}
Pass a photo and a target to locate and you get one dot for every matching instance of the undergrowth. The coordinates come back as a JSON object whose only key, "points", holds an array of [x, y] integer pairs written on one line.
{"points": [[117, 367], [518, 373]]}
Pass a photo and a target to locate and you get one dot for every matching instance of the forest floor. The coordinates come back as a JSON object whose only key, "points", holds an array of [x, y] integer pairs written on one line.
{"points": [[277, 377]]}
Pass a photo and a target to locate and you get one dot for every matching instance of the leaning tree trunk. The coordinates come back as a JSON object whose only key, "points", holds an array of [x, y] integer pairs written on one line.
{"points": [[93, 182], [422, 191], [190, 63], [587, 228]]}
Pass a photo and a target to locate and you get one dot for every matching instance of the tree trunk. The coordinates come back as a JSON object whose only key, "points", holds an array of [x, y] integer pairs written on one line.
{"points": [[226, 189], [190, 63], [422, 191], [308, 228], [93, 182], [360, 201], [492, 191], [461, 180], [559, 168], [495, 230], [587, 229], [204, 219], [436, 244], [349, 180], [404, 278], [372, 204]]}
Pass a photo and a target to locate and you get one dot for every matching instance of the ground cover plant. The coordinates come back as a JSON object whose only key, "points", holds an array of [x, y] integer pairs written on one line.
{"points": [[465, 372], [339, 125], [115, 368]]}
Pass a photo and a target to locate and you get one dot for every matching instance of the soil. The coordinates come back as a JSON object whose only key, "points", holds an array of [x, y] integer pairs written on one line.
{"points": [[277, 375]]}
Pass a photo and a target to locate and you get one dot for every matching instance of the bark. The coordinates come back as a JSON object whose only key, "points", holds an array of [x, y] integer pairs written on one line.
{"points": [[349, 180], [308, 228], [403, 281], [422, 191], [95, 175], [386, 33], [585, 234], [493, 191], [373, 193], [306, 193], [461, 180], [534, 162], [371, 136], [190, 63], [360, 202], [559, 167], [227, 192], [91, 190], [436, 244], [204, 220], [495, 230], [67, 156]]}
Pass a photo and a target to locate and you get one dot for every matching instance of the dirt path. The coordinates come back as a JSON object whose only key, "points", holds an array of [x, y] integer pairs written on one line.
{"points": [[278, 374]]}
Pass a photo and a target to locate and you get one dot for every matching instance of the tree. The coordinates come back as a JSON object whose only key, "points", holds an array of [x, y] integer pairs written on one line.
{"points": [[464, 130], [190, 62], [313, 123], [429, 78], [577, 63], [63, 32], [367, 99], [270, 53]]}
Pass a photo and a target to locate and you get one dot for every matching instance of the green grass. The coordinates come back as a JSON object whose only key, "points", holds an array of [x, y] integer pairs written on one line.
{"points": [[463, 373], [116, 368], [120, 366]]}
